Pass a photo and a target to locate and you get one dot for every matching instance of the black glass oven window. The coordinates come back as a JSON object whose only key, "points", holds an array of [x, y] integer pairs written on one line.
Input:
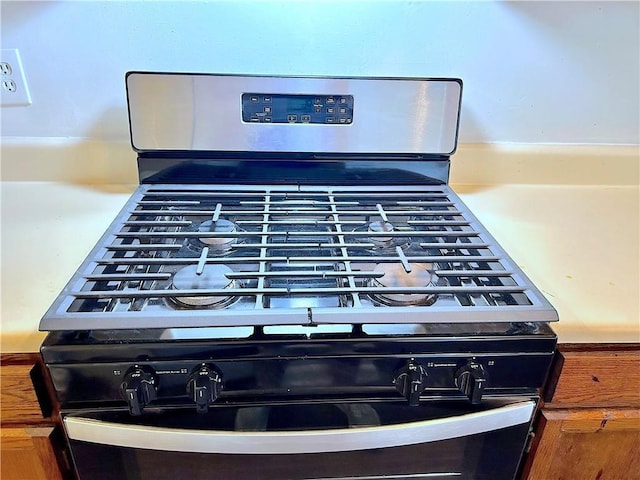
{"points": [[488, 456], [492, 455]]}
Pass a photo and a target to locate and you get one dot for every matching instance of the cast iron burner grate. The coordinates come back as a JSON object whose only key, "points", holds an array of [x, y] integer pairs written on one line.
{"points": [[206, 255]]}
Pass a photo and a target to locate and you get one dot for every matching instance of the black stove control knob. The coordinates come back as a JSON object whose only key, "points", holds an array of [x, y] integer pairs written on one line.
{"points": [[410, 381], [139, 388], [471, 380], [204, 386]]}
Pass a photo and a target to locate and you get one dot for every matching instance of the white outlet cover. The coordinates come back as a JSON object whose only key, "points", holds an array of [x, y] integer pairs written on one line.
{"points": [[20, 95]]}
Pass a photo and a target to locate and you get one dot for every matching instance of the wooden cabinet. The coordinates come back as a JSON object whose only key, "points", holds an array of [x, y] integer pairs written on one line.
{"points": [[30, 440], [589, 427]]}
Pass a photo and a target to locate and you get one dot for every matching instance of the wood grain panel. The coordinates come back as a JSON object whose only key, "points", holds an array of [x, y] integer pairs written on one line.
{"points": [[19, 401], [27, 454], [586, 444], [609, 378]]}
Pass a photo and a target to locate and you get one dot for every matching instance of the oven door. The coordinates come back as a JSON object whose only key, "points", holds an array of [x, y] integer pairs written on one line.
{"points": [[436, 440]]}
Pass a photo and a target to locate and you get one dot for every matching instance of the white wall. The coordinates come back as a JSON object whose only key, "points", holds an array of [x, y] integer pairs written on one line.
{"points": [[534, 72]]}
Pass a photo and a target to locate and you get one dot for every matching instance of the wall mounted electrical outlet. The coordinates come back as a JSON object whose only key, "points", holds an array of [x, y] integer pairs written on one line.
{"points": [[13, 83]]}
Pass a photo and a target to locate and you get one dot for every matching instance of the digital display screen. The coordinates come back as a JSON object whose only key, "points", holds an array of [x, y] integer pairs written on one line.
{"points": [[298, 104]]}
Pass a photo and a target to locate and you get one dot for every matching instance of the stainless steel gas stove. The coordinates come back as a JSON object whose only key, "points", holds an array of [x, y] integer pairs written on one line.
{"points": [[294, 281]]}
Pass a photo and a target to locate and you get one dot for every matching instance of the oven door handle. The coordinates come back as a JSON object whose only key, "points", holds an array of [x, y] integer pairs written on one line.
{"points": [[294, 442]]}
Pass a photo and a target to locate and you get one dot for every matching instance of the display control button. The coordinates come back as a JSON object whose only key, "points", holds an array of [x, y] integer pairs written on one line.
{"points": [[342, 110], [255, 119], [306, 118], [292, 118], [343, 100], [317, 108], [331, 100], [330, 110], [267, 109], [254, 99], [330, 120], [342, 120], [267, 119], [267, 100], [317, 101]]}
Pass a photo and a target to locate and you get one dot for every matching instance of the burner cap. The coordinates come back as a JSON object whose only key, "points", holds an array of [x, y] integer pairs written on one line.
{"points": [[380, 226], [220, 226], [381, 241], [395, 276], [212, 277]]}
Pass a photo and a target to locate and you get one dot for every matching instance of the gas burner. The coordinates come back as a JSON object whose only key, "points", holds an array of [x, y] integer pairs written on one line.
{"points": [[209, 277], [219, 226], [381, 243], [221, 246], [381, 226], [395, 275]]}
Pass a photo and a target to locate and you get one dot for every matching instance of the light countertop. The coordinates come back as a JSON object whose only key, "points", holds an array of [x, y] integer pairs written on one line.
{"points": [[580, 247], [579, 244]]}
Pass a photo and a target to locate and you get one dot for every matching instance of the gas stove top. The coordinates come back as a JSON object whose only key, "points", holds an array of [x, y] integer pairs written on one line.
{"points": [[221, 255], [260, 207]]}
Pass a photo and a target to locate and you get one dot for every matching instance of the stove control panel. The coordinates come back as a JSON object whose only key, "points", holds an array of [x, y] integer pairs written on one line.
{"points": [[301, 109], [286, 370]]}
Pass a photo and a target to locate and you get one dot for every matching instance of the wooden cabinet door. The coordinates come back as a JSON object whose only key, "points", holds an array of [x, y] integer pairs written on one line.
{"points": [[27, 454], [19, 402], [597, 444], [27, 438]]}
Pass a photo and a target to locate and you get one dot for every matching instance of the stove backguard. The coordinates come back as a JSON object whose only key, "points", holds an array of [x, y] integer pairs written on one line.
{"points": [[289, 115], [257, 130]]}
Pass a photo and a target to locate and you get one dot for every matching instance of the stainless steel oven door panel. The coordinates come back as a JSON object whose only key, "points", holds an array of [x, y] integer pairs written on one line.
{"points": [[354, 441]]}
